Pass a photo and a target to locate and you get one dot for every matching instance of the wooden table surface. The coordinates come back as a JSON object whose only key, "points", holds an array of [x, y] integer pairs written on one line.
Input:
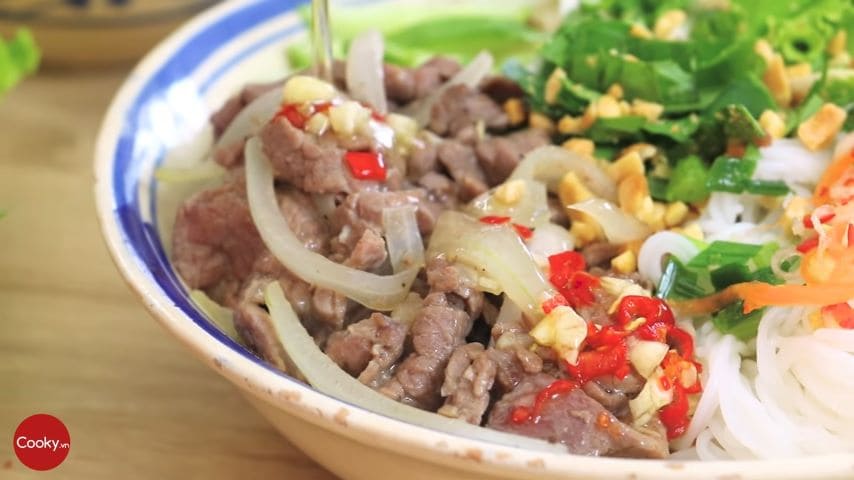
{"points": [[75, 343]]}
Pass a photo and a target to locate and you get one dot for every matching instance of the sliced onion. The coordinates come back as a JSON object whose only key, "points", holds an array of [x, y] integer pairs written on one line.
{"points": [[373, 291], [497, 253], [203, 172], [403, 239], [658, 245], [220, 316], [471, 75], [325, 376], [549, 164], [532, 210], [251, 118], [365, 76], [618, 226], [548, 240]]}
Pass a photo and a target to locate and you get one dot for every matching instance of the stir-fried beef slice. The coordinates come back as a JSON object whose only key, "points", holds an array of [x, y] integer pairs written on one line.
{"points": [[577, 421], [614, 393], [469, 377], [499, 156], [368, 349], [214, 238], [446, 277], [439, 327], [440, 187], [461, 106], [368, 253], [501, 88], [312, 164], [461, 163], [599, 254], [255, 327], [422, 160], [404, 85], [223, 117], [514, 363], [304, 220]]}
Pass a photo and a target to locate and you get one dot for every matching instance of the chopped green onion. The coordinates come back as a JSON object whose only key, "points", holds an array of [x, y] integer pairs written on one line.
{"points": [[732, 320], [721, 252], [680, 281], [688, 181], [771, 188], [730, 274]]}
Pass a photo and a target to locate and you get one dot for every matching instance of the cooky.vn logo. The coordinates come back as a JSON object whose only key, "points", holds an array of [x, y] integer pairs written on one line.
{"points": [[41, 442]]}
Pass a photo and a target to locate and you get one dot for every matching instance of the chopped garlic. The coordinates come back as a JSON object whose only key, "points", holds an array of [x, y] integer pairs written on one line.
{"points": [[317, 124], [405, 128], [563, 330], [349, 117], [302, 89], [646, 356], [650, 399], [510, 192]]}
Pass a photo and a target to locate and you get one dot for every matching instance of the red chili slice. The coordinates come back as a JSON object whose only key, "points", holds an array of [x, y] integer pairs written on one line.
{"points": [[821, 219], [674, 415], [557, 300], [808, 245], [658, 316], [292, 114], [366, 165], [682, 341], [558, 387], [842, 313]]}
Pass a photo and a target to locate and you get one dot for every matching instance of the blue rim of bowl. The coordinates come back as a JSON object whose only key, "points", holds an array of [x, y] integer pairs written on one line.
{"points": [[183, 54], [139, 235]]}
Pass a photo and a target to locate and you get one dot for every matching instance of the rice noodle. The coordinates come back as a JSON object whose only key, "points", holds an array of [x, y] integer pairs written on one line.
{"points": [[549, 164], [373, 291], [788, 160], [365, 76], [618, 226]]}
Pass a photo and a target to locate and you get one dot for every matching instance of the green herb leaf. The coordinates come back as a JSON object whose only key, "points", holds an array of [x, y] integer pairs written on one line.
{"points": [[688, 181]]}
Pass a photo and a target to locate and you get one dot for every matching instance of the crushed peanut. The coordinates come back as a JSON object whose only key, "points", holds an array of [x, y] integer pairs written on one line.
{"points": [[607, 107], [821, 128], [654, 217], [668, 22], [628, 164], [615, 90], [538, 120], [584, 232], [639, 30], [764, 50], [773, 124], [553, 85], [510, 192], [625, 262], [650, 110], [515, 111], [675, 213], [777, 82], [581, 146], [571, 190], [838, 43], [645, 150], [569, 125], [691, 230]]}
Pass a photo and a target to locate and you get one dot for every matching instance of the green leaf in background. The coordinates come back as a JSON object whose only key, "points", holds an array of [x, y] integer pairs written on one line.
{"points": [[19, 56]]}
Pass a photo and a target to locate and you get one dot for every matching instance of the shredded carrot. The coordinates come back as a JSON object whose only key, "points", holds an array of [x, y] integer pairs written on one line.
{"points": [[758, 294], [704, 305], [833, 173]]}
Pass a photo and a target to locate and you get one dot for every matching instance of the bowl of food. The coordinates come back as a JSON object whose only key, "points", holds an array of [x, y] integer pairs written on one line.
{"points": [[622, 254]]}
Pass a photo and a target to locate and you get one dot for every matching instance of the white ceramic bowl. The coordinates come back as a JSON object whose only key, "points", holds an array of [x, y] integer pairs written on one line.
{"points": [[162, 110]]}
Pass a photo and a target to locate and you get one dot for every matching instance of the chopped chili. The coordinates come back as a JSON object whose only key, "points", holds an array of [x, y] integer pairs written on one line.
{"points": [[366, 165], [808, 244], [557, 300], [523, 231], [674, 415], [842, 313], [292, 114], [566, 273], [682, 341], [821, 219], [523, 414], [658, 318], [606, 353]]}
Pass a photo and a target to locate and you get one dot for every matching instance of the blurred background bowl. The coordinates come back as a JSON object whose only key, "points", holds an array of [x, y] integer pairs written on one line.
{"points": [[96, 32]]}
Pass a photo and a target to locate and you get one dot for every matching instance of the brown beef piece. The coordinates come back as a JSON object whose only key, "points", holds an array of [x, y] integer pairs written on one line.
{"points": [[368, 349], [255, 327], [422, 160], [501, 88], [461, 106], [614, 394], [514, 364], [579, 422], [214, 239], [468, 380], [599, 254], [437, 330], [446, 277], [369, 252], [404, 85], [499, 156], [312, 164], [461, 163], [441, 187], [230, 156]]}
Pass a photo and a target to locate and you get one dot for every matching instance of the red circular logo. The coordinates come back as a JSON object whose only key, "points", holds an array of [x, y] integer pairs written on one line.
{"points": [[41, 442]]}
